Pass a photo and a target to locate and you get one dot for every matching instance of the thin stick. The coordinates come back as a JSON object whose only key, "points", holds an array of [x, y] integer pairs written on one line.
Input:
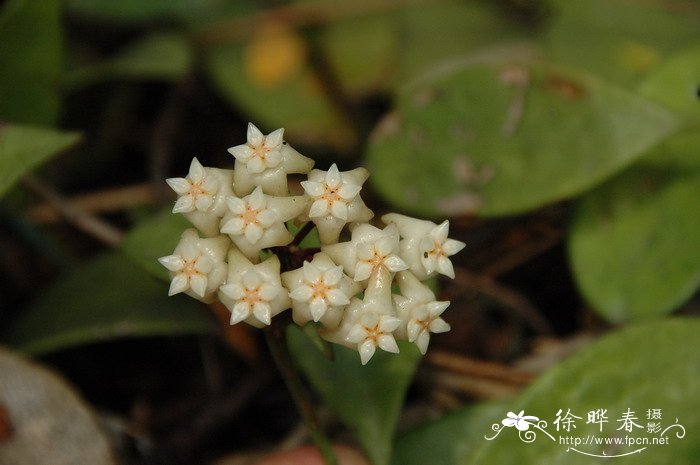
{"points": [[465, 279], [90, 224], [105, 201], [275, 336], [302, 233]]}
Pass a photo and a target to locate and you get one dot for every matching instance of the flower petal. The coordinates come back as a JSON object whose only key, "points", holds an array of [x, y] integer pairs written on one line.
{"points": [[333, 176], [184, 204], [302, 293], [339, 209], [255, 137], [198, 284], [336, 297], [349, 191], [318, 308], [366, 351], [263, 312], [180, 185], [253, 233], [313, 189], [172, 262], [180, 283], [318, 208], [388, 343]]}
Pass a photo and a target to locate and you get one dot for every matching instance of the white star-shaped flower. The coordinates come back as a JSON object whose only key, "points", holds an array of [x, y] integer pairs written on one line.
{"points": [[253, 293], [521, 421], [418, 311], [369, 250], [368, 323], [265, 161], [257, 221], [425, 245], [372, 331], [197, 265], [320, 291], [336, 200], [202, 196]]}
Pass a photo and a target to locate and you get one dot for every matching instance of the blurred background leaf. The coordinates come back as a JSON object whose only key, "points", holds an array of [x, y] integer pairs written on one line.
{"points": [[618, 40], [627, 261], [159, 56], [154, 238], [106, 298], [449, 440], [48, 416], [367, 398], [30, 64], [646, 366], [502, 139], [23, 148]]}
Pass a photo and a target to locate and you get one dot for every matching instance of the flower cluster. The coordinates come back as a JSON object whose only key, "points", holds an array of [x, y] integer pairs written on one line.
{"points": [[348, 288]]}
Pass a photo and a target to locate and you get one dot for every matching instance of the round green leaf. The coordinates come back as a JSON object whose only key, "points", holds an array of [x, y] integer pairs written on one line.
{"points": [[444, 33], [32, 54], [367, 398], [449, 440], [361, 51], [277, 93], [24, 148], [634, 241], [676, 83], [106, 298], [645, 367], [619, 40], [501, 139]]}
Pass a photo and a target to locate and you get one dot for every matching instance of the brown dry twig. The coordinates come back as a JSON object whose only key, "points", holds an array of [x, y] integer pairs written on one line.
{"points": [[466, 280], [90, 224], [105, 201]]}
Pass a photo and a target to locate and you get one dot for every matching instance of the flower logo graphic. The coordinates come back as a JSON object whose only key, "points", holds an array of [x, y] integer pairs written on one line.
{"points": [[520, 421]]}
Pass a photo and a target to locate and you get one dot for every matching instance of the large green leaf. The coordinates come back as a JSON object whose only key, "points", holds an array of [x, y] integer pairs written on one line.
{"points": [[105, 298], [269, 78], [634, 241], [31, 54], [444, 33], [23, 148], [676, 83], [650, 366], [159, 57], [449, 440], [367, 398], [500, 139], [362, 52], [619, 40], [155, 238]]}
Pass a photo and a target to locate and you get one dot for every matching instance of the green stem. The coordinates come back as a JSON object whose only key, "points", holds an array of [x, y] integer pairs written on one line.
{"points": [[275, 336]]}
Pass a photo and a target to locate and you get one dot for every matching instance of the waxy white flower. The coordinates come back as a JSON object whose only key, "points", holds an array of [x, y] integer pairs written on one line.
{"points": [[336, 200], [202, 196], [253, 293], [374, 331], [369, 250], [425, 245], [320, 291], [257, 221], [265, 161], [368, 323], [418, 311], [197, 265]]}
